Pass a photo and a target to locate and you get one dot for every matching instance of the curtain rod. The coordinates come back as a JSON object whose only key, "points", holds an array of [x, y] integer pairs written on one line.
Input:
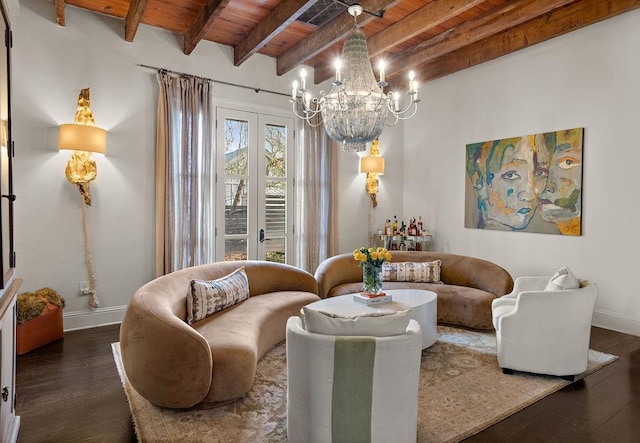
{"points": [[257, 90]]}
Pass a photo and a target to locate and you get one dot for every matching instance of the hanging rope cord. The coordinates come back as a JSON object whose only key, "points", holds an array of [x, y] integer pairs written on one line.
{"points": [[93, 294]]}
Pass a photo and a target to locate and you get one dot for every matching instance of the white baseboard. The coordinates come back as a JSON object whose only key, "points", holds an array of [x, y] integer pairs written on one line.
{"points": [[93, 318], [616, 322]]}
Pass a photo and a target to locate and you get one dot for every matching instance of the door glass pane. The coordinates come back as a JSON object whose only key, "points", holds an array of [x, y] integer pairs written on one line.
{"points": [[235, 249], [275, 206], [235, 207], [236, 139], [275, 250], [275, 146]]}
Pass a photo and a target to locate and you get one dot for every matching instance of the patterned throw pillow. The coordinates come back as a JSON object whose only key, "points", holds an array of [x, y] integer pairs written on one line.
{"points": [[563, 279], [419, 272], [205, 298]]}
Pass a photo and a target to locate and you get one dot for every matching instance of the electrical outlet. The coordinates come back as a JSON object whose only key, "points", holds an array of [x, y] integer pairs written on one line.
{"points": [[84, 288]]}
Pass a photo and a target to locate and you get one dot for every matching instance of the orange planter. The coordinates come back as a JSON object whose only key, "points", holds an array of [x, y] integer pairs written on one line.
{"points": [[43, 329]]}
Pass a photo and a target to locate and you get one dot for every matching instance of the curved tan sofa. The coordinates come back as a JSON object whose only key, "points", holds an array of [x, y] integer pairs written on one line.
{"points": [[470, 284], [176, 365]]}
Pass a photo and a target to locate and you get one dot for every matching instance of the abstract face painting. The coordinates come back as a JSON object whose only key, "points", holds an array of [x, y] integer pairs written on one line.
{"points": [[561, 201], [531, 183]]}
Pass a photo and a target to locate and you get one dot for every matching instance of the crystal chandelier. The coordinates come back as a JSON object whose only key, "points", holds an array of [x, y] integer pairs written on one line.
{"points": [[355, 111]]}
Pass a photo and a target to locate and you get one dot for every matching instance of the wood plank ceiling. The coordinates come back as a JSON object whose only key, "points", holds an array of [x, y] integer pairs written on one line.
{"points": [[432, 37]]}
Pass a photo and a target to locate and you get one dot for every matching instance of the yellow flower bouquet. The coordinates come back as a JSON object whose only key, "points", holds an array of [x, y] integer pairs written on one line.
{"points": [[371, 260]]}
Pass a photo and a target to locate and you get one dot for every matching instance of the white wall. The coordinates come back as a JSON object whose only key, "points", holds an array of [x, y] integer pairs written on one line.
{"points": [[51, 64], [589, 79]]}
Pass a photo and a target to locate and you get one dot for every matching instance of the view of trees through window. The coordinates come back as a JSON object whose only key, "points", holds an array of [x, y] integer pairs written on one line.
{"points": [[237, 176]]}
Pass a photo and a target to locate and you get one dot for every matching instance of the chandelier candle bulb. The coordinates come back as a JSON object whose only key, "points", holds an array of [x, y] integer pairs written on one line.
{"points": [[381, 67], [303, 79], [338, 67], [294, 89]]}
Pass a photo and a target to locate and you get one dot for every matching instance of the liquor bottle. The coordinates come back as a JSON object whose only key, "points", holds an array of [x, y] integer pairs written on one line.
{"points": [[403, 228], [420, 227], [394, 225], [412, 227], [387, 228]]}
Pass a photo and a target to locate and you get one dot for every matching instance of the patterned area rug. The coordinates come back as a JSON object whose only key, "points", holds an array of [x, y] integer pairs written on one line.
{"points": [[462, 391]]}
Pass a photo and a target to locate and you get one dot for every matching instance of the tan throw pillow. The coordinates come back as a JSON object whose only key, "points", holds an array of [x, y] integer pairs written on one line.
{"points": [[563, 279], [418, 272], [374, 324], [205, 298]]}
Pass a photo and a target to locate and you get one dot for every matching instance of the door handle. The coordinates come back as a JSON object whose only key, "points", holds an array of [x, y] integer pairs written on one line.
{"points": [[5, 393], [10, 197], [261, 237]]}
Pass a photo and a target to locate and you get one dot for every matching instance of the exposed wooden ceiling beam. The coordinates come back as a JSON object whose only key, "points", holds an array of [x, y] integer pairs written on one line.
{"points": [[212, 9], [59, 4], [327, 35], [274, 23], [492, 22], [422, 20], [550, 25], [133, 18]]}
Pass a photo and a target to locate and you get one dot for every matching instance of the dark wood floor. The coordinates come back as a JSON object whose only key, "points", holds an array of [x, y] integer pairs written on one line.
{"points": [[69, 391]]}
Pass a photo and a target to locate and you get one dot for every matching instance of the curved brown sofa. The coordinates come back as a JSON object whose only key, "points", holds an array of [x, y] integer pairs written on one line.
{"points": [[176, 365], [469, 284]]}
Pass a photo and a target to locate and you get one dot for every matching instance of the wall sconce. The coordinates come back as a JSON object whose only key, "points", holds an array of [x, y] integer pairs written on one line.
{"points": [[84, 138], [373, 165]]}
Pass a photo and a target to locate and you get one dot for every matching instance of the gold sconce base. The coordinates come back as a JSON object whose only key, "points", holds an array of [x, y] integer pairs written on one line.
{"points": [[80, 171], [372, 187]]}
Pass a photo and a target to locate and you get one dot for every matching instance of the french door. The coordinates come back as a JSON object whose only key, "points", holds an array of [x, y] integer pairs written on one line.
{"points": [[254, 186]]}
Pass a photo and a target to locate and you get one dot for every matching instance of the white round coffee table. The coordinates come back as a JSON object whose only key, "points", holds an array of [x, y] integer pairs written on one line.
{"points": [[423, 305]]}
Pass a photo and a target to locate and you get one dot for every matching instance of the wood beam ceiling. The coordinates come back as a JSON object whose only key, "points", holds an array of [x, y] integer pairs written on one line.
{"points": [[59, 5], [327, 35], [207, 16], [274, 23], [133, 18], [553, 24], [505, 27], [494, 21]]}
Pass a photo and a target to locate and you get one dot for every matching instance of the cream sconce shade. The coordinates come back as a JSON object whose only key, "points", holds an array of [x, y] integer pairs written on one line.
{"points": [[373, 166], [79, 137]]}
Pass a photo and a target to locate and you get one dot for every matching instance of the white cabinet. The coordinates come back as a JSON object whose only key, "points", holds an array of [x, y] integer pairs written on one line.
{"points": [[9, 422]]}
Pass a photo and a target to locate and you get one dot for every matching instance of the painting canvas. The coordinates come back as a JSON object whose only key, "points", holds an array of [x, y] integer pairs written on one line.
{"points": [[531, 183]]}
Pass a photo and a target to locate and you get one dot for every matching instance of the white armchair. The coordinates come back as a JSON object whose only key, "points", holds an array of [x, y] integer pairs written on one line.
{"points": [[338, 390], [544, 332]]}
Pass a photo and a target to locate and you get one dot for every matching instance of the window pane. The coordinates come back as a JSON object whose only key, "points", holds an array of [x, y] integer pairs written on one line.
{"points": [[236, 136], [275, 146], [275, 206], [235, 249], [235, 206], [275, 250]]}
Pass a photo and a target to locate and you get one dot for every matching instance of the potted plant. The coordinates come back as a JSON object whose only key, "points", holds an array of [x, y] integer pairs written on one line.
{"points": [[39, 319]]}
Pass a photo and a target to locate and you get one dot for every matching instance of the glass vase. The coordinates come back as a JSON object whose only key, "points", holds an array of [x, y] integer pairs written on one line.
{"points": [[372, 278]]}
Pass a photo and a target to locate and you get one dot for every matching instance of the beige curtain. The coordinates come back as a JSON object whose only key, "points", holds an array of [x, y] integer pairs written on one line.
{"points": [[316, 227], [184, 173]]}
